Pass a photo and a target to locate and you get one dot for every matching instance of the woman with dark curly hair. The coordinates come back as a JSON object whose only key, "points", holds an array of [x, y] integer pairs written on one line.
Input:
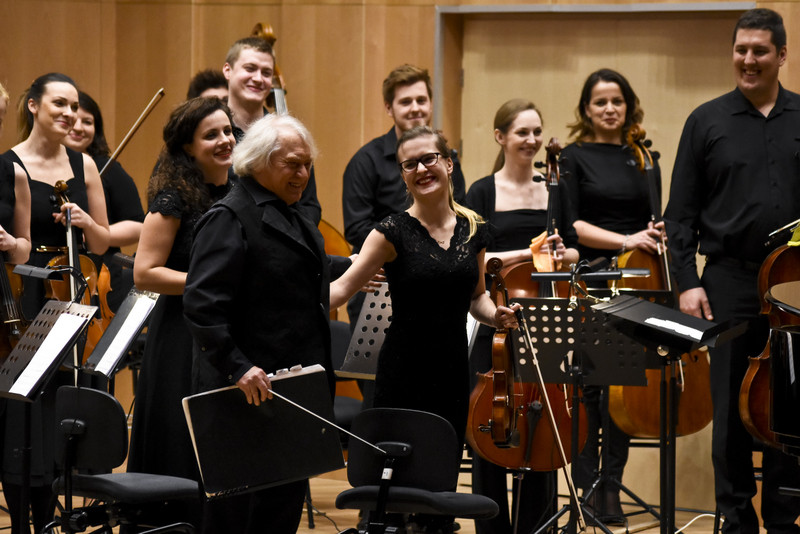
{"points": [[192, 173]]}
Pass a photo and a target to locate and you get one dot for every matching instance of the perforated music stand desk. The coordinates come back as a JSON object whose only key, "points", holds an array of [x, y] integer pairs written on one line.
{"points": [[361, 360], [241, 447], [561, 332]]}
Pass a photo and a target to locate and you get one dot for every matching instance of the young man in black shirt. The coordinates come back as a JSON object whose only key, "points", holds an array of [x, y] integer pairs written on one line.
{"points": [[735, 180]]}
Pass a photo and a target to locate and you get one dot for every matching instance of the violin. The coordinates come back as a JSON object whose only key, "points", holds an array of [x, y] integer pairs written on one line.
{"points": [[66, 290], [277, 98], [635, 409], [754, 395]]}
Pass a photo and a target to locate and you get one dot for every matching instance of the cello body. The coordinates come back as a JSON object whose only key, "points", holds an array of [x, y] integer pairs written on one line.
{"points": [[754, 395], [636, 409]]}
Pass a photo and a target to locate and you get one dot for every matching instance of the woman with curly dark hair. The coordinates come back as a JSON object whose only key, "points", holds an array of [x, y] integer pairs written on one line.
{"points": [[192, 173]]}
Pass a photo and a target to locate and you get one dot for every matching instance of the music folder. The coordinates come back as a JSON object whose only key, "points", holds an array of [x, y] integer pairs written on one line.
{"points": [[655, 325], [242, 447]]}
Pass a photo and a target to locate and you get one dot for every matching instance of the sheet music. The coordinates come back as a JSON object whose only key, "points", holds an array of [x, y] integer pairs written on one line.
{"points": [[63, 331], [129, 329], [675, 327]]}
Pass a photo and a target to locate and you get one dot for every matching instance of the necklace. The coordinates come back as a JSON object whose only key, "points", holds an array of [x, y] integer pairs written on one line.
{"points": [[440, 242]]}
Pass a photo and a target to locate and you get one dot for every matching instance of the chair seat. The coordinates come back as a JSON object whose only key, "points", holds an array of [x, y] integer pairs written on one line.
{"points": [[131, 488], [412, 500]]}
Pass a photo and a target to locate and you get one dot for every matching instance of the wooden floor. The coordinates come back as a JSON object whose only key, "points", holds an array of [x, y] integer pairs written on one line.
{"points": [[328, 520]]}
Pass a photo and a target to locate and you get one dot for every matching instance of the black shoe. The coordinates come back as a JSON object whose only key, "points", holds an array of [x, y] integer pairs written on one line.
{"points": [[611, 513]]}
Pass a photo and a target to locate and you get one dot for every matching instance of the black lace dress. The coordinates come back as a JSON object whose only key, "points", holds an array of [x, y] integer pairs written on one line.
{"points": [[423, 362], [160, 440]]}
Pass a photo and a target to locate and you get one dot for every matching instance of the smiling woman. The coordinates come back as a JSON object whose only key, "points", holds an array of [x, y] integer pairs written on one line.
{"points": [[47, 113], [123, 207], [192, 173], [433, 250]]}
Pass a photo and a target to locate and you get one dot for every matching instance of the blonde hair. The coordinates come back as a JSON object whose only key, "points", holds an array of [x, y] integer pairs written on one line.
{"points": [[441, 145]]}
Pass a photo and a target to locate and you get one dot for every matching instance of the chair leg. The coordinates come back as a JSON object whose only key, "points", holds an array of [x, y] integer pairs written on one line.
{"points": [[717, 521], [309, 505]]}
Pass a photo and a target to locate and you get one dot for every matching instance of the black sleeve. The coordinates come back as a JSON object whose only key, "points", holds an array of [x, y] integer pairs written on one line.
{"points": [[122, 197], [215, 273], [683, 209], [358, 206]]}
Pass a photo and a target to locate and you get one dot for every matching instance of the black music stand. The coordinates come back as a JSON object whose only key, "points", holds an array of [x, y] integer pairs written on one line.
{"points": [[574, 345], [127, 323], [670, 334], [32, 364]]}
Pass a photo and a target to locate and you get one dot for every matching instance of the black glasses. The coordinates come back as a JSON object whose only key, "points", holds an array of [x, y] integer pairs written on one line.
{"points": [[428, 160]]}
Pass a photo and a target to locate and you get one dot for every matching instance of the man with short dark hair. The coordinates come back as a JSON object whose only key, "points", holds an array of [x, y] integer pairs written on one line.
{"points": [[207, 83], [373, 188], [249, 66], [735, 180]]}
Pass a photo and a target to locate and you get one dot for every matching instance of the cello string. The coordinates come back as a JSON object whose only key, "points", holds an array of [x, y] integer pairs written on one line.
{"points": [[303, 408]]}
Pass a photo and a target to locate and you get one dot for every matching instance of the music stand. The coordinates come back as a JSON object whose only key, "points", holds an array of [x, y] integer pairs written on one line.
{"points": [[121, 333], [670, 334], [361, 360], [574, 345], [32, 364]]}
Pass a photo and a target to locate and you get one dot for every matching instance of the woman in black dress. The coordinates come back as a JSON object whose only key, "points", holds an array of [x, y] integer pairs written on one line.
{"points": [[612, 210], [515, 208], [432, 253], [47, 113], [192, 173], [125, 214]]}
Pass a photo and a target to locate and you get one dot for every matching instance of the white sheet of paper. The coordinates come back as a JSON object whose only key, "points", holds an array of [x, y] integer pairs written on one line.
{"points": [[63, 330], [675, 327], [130, 329]]}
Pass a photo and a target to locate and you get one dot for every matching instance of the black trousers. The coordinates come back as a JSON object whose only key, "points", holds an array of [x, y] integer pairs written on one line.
{"points": [[276, 510], [733, 295], [585, 467]]}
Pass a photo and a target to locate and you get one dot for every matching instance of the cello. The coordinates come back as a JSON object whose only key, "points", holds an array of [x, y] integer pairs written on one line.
{"points": [[754, 395], [635, 409]]}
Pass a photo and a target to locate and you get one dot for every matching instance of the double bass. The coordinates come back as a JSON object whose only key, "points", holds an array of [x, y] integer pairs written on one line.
{"points": [[635, 409]]}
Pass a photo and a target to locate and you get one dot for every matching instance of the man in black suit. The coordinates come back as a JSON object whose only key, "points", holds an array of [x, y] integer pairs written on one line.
{"points": [[257, 297]]}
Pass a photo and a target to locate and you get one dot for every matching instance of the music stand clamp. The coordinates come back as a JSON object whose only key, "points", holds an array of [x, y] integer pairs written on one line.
{"points": [[54, 273]]}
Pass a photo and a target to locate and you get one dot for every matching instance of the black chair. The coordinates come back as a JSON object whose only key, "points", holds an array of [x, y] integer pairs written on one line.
{"points": [[93, 433], [421, 456]]}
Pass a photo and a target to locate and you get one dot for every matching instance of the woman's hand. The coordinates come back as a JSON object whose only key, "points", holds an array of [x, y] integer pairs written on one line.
{"points": [[505, 317], [8, 243], [78, 217], [648, 239]]}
